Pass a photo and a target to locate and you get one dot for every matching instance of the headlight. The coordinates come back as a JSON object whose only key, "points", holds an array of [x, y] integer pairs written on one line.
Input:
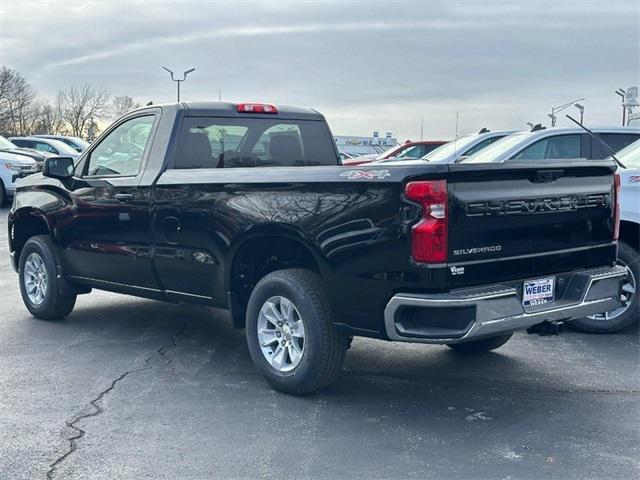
{"points": [[20, 168]]}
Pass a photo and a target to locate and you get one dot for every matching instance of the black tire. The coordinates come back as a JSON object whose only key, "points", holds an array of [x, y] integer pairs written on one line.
{"points": [[54, 305], [482, 345], [3, 194], [628, 256], [324, 346]]}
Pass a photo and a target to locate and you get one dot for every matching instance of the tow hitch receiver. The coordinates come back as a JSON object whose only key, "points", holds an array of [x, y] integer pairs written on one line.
{"points": [[547, 328]]}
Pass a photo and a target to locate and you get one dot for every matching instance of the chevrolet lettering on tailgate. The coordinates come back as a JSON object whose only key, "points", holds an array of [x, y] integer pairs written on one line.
{"points": [[538, 205]]}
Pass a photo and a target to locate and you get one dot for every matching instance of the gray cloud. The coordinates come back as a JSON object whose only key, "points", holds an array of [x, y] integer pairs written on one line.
{"points": [[366, 65]]}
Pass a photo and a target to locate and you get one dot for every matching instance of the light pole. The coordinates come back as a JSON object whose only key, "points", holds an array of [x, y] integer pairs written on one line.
{"points": [[581, 109], [622, 93], [184, 77], [559, 108], [630, 102]]}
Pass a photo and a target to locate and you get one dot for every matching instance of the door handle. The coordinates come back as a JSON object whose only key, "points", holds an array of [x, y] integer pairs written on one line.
{"points": [[123, 197]]}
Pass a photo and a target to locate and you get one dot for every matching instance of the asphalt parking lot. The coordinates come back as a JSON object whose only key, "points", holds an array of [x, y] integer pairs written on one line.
{"points": [[129, 389]]}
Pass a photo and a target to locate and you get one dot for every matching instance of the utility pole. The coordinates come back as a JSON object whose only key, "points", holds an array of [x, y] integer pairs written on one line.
{"points": [[421, 128], [178, 81]]}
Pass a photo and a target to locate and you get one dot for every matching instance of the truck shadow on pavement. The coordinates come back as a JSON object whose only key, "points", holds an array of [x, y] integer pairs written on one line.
{"points": [[183, 377], [215, 349]]}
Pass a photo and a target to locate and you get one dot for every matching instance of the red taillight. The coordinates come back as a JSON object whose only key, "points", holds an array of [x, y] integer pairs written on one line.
{"points": [[429, 236], [616, 207], [256, 108]]}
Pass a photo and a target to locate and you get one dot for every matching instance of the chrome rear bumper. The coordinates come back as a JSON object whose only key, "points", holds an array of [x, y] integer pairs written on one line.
{"points": [[472, 313]]}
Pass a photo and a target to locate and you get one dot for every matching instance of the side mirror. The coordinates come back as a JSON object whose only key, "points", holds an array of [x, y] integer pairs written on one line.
{"points": [[58, 167]]}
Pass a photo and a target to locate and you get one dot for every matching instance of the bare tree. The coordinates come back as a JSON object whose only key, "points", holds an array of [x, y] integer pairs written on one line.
{"points": [[16, 101], [122, 104], [45, 118], [81, 106]]}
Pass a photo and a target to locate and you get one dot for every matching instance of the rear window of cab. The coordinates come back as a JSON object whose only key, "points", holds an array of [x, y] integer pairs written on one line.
{"points": [[215, 142]]}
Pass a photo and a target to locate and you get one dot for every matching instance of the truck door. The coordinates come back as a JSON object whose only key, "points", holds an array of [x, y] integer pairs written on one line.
{"points": [[189, 246], [105, 237]]}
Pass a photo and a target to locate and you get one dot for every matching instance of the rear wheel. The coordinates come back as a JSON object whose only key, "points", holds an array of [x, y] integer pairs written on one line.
{"points": [[290, 332], [628, 313], [39, 283], [481, 345]]}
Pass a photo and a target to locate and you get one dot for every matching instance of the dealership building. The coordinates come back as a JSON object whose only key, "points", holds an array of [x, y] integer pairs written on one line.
{"points": [[365, 145]]}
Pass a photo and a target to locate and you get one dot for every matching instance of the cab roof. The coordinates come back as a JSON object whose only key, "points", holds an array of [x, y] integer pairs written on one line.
{"points": [[228, 109]]}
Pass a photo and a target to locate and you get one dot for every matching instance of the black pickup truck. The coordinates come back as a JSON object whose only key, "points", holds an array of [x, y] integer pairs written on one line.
{"points": [[246, 207]]}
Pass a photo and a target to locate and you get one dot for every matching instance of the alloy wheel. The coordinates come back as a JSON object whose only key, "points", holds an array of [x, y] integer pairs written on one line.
{"points": [[36, 280], [281, 333]]}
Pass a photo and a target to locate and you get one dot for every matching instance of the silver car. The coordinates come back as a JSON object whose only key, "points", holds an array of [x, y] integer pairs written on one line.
{"points": [[78, 144], [556, 143]]}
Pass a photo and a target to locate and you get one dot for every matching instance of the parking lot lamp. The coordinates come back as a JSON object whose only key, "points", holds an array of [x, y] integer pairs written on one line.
{"points": [[581, 109], [178, 81], [622, 93], [629, 103], [559, 108]]}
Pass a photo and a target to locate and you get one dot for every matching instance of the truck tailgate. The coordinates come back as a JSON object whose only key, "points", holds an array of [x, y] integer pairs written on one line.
{"points": [[515, 220]]}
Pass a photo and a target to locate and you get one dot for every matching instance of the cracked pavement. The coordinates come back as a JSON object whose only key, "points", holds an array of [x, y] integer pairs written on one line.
{"points": [[132, 389]]}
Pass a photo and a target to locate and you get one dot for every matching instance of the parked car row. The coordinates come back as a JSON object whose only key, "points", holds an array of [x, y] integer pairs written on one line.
{"points": [[22, 156], [406, 151], [49, 145], [509, 145], [206, 203]]}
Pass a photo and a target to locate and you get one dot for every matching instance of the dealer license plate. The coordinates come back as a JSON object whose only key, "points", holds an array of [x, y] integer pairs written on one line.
{"points": [[538, 292]]}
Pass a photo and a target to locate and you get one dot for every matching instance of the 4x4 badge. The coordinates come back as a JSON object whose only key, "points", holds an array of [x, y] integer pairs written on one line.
{"points": [[365, 174]]}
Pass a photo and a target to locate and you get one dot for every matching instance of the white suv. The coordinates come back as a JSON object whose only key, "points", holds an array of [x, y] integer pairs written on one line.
{"points": [[629, 246]]}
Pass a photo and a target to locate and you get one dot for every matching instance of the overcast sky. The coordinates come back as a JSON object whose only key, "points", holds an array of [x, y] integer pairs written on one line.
{"points": [[365, 65]]}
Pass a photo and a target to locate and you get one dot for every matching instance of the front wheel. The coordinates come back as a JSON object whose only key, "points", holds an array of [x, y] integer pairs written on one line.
{"points": [[290, 332], [629, 310], [482, 345], [39, 283]]}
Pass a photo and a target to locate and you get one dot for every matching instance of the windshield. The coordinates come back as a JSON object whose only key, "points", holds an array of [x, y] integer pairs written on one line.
{"points": [[445, 151], [630, 155], [62, 147], [80, 142], [6, 144], [498, 148], [74, 142]]}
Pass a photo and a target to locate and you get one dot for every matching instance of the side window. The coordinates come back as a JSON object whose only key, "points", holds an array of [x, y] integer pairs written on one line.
{"points": [[616, 141], [120, 152], [428, 148], [558, 147], [411, 152]]}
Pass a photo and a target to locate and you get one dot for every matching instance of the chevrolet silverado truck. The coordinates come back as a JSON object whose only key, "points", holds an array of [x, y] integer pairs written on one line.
{"points": [[246, 207]]}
